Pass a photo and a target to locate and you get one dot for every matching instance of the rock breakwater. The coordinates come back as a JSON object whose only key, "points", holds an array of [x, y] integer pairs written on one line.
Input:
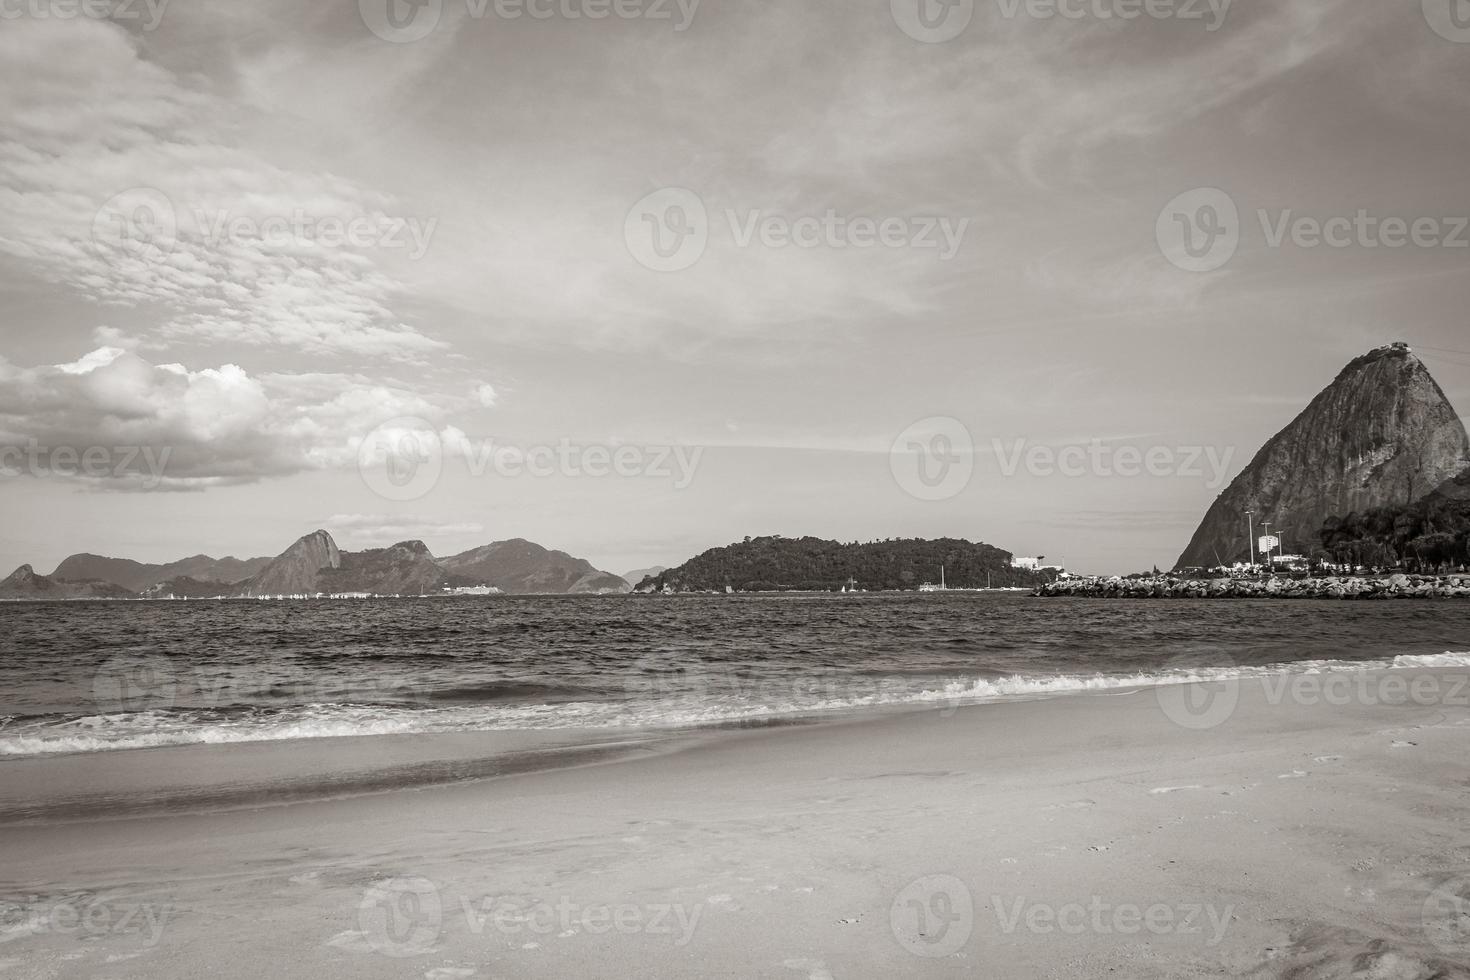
{"points": [[1345, 587]]}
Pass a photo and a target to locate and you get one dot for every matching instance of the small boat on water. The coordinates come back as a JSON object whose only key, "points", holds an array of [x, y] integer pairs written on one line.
{"points": [[930, 587]]}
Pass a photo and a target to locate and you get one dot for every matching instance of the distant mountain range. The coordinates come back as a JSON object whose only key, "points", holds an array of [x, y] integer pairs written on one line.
{"points": [[774, 564], [639, 574], [136, 576], [315, 565], [1381, 436], [24, 583]]}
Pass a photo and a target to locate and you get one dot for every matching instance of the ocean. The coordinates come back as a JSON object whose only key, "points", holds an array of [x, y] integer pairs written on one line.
{"points": [[88, 677]]}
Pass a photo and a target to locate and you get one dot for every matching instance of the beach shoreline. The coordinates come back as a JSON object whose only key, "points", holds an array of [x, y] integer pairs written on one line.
{"points": [[1301, 825]]}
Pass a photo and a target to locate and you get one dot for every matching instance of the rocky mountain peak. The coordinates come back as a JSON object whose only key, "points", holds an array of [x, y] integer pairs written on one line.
{"points": [[1381, 434]]}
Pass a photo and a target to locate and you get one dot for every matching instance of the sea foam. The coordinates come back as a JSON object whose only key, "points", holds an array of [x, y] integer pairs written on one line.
{"points": [[715, 705]]}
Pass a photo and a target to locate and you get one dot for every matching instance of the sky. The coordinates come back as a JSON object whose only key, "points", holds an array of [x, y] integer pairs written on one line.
{"points": [[638, 278]]}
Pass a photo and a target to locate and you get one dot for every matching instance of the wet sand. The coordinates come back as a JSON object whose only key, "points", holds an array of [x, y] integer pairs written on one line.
{"points": [[1270, 828]]}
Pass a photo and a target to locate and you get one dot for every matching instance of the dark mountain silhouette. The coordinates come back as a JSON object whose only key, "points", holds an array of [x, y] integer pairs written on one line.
{"points": [[1382, 435], [24, 583], [298, 569], [407, 568], [777, 564], [639, 574], [520, 567], [138, 576], [315, 565]]}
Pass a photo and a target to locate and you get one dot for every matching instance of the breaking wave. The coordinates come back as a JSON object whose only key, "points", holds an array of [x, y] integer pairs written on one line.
{"points": [[701, 700]]}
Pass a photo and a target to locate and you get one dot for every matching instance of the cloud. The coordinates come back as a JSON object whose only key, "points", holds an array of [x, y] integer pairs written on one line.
{"points": [[163, 426], [385, 529], [128, 184]]}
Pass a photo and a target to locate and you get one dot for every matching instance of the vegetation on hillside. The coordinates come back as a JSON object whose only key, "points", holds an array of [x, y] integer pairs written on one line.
{"points": [[1428, 536], [774, 564]]}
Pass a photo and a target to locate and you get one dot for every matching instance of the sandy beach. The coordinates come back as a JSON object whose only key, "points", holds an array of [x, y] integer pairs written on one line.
{"points": [[1282, 827]]}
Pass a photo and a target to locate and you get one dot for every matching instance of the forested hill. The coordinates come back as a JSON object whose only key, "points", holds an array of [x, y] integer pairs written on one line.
{"points": [[1428, 535], [791, 564]]}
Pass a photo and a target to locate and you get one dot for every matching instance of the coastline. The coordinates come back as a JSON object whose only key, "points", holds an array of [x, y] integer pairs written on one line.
{"points": [[1315, 817], [1328, 588]]}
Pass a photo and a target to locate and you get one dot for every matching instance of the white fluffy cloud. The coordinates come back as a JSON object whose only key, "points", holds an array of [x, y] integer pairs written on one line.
{"points": [[165, 426]]}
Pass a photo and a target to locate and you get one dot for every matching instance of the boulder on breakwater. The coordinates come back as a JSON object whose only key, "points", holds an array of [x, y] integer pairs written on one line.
{"points": [[1347, 587]]}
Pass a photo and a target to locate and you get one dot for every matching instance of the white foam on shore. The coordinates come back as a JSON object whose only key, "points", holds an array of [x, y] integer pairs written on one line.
{"points": [[720, 703], [1437, 660]]}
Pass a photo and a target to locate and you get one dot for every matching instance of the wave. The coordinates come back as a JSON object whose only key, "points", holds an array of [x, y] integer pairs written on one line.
{"points": [[506, 691], [1435, 660], [510, 706]]}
